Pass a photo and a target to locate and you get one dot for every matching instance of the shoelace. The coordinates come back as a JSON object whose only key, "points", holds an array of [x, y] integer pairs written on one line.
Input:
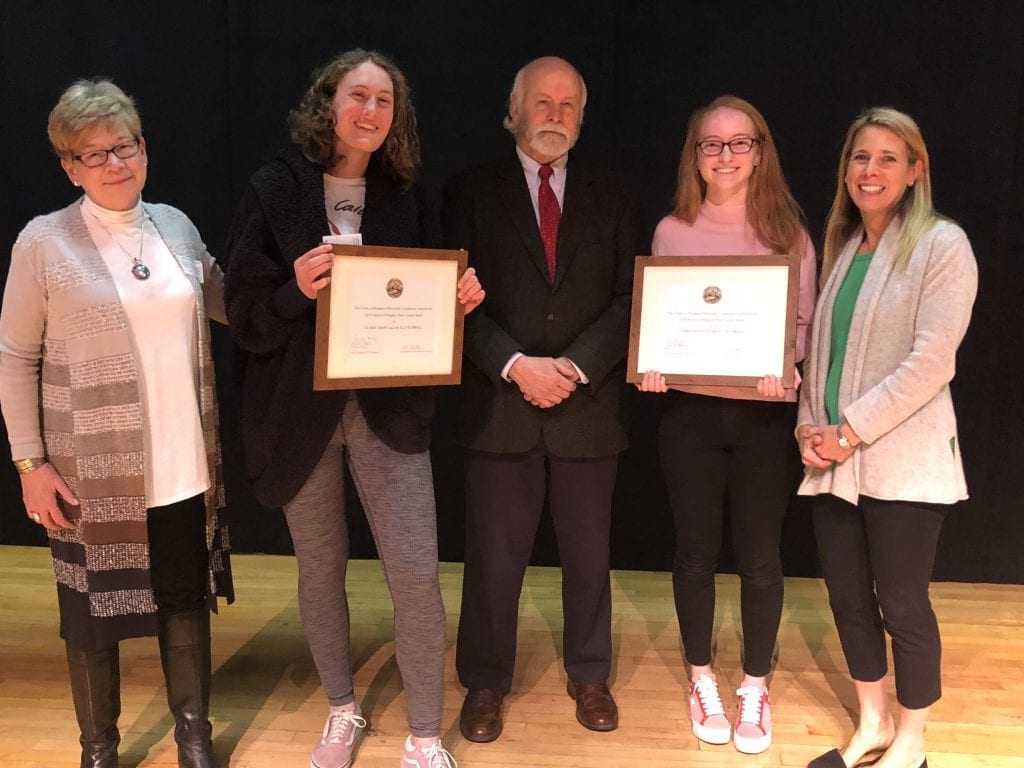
{"points": [[439, 757], [751, 701], [707, 691], [341, 727]]}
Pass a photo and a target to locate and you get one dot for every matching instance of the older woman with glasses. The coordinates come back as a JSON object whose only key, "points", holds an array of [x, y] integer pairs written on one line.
{"points": [[107, 389]]}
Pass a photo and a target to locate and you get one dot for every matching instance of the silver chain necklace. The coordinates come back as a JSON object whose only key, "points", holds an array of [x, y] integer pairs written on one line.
{"points": [[139, 269]]}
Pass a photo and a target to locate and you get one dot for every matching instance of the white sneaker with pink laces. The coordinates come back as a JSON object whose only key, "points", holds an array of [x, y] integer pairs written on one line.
{"points": [[706, 711], [753, 732], [434, 756]]}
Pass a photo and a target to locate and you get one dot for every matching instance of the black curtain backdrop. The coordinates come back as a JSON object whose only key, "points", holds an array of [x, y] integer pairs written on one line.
{"points": [[215, 80]]}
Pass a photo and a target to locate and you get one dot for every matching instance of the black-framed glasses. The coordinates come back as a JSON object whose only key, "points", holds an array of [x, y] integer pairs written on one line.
{"points": [[738, 146], [97, 157]]}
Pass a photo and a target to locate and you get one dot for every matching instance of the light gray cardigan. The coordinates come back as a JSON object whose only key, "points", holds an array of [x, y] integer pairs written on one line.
{"points": [[900, 358]]}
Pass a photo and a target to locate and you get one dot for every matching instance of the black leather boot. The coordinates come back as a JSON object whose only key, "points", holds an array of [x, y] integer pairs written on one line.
{"points": [[96, 691], [185, 656]]}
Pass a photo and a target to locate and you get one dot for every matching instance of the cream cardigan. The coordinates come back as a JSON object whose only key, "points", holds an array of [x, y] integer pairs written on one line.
{"points": [[900, 358]]}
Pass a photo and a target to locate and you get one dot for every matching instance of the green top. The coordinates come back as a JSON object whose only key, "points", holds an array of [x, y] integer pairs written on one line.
{"points": [[842, 314]]}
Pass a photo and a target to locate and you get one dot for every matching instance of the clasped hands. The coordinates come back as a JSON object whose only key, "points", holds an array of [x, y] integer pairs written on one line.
{"points": [[544, 381], [819, 446], [313, 273]]}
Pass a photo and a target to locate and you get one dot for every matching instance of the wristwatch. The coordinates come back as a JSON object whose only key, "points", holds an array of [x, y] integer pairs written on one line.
{"points": [[841, 438]]}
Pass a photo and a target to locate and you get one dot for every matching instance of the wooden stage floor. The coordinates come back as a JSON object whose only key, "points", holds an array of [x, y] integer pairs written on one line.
{"points": [[268, 709]]}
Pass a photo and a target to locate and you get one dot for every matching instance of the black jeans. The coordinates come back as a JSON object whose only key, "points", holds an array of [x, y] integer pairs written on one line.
{"points": [[713, 449], [877, 559], [178, 556]]}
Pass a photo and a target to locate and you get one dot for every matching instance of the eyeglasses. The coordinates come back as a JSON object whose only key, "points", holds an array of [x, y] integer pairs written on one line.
{"points": [[97, 157], [714, 147]]}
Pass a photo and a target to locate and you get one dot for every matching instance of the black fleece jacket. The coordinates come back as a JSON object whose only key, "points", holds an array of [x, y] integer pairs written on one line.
{"points": [[285, 424]]}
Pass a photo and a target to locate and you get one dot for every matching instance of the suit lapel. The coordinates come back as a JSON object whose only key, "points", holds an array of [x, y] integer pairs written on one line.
{"points": [[576, 211], [515, 197]]}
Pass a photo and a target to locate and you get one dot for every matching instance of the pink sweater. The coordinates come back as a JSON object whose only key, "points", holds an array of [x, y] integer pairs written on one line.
{"points": [[722, 230]]}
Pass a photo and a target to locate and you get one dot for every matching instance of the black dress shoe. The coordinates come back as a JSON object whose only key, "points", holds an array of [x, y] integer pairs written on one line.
{"points": [[831, 759], [480, 720], [595, 707]]}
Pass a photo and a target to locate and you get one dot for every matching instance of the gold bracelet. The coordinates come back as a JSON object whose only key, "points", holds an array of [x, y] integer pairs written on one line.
{"points": [[24, 466]]}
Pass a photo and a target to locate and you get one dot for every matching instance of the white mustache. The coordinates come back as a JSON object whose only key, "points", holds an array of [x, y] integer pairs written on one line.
{"points": [[561, 130]]}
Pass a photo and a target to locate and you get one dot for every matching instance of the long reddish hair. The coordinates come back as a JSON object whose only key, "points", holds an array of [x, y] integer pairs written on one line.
{"points": [[772, 210]]}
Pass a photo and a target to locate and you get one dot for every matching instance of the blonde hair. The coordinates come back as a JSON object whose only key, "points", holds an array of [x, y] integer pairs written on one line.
{"points": [[914, 207], [772, 210], [82, 105]]}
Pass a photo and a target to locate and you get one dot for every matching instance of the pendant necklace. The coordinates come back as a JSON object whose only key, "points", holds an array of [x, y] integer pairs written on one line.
{"points": [[139, 269]]}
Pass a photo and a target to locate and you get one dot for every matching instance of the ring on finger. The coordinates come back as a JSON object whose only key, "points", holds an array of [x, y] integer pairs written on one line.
{"points": [[35, 516]]}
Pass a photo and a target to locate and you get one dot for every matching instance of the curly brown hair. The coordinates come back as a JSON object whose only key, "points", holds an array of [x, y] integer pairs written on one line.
{"points": [[312, 124]]}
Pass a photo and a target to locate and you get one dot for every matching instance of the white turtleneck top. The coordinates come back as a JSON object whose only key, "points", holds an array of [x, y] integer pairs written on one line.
{"points": [[161, 315]]}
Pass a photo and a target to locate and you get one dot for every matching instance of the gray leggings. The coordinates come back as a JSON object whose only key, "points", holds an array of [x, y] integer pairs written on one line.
{"points": [[397, 493]]}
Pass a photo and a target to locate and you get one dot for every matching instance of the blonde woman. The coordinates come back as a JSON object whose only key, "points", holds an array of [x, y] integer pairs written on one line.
{"points": [[877, 432]]}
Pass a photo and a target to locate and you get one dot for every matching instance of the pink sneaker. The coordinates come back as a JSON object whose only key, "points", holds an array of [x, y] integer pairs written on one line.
{"points": [[706, 711], [338, 743], [434, 756], [753, 732]]}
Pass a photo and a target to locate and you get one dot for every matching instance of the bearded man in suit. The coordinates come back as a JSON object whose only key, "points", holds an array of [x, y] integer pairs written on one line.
{"points": [[542, 402]]}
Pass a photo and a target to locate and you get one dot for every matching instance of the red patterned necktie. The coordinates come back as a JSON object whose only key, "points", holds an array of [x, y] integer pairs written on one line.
{"points": [[550, 215]]}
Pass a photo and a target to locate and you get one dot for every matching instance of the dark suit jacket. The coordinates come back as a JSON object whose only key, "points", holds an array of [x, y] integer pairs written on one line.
{"points": [[584, 315]]}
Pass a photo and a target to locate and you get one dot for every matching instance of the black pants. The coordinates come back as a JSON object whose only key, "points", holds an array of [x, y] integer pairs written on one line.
{"points": [[713, 449], [877, 559], [504, 500], [178, 556], [178, 571]]}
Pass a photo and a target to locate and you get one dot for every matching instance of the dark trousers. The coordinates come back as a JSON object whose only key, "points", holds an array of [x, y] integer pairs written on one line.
{"points": [[713, 450], [178, 556], [877, 559], [504, 500], [178, 569]]}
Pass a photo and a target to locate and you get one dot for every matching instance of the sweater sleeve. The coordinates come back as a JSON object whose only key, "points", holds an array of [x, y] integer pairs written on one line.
{"points": [[22, 325], [264, 303], [950, 282], [806, 298], [213, 280]]}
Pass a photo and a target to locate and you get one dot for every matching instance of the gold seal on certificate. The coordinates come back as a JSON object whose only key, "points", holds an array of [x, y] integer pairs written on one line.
{"points": [[717, 320], [390, 317]]}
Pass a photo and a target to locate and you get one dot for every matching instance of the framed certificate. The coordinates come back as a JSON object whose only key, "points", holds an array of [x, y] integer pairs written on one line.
{"points": [[714, 320], [390, 317]]}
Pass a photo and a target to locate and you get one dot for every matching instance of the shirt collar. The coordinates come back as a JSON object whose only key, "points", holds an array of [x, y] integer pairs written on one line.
{"points": [[530, 166]]}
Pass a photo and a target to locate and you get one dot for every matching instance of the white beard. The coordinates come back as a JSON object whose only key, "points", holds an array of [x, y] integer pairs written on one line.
{"points": [[550, 143]]}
